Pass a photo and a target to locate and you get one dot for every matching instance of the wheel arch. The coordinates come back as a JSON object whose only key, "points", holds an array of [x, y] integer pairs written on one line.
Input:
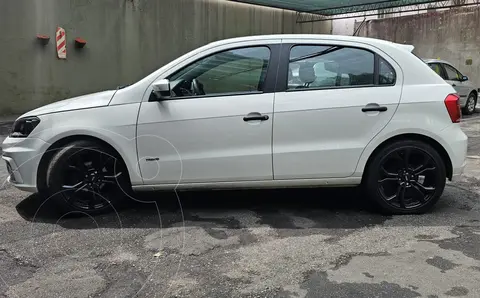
{"points": [[419, 137], [53, 148]]}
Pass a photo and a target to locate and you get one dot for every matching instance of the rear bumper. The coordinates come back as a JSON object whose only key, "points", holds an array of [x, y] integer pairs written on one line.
{"points": [[456, 148], [457, 172]]}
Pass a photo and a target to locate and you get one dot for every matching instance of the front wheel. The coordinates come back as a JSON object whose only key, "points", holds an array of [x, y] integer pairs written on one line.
{"points": [[85, 177], [406, 177]]}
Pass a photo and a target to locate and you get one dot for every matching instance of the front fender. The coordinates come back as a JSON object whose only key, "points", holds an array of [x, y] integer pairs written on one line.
{"points": [[115, 125]]}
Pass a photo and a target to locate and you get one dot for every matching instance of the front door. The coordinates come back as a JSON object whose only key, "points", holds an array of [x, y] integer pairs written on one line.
{"points": [[333, 106], [454, 78], [217, 124]]}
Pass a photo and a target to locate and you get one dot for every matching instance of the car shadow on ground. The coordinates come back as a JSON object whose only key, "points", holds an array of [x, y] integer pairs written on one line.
{"points": [[324, 207]]}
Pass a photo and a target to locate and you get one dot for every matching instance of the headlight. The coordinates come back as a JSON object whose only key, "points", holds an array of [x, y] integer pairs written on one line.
{"points": [[23, 127]]}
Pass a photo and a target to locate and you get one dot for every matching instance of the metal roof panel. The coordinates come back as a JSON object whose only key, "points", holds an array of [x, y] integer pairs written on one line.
{"points": [[334, 7]]}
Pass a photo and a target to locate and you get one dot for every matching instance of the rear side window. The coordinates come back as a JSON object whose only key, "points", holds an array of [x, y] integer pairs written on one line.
{"points": [[315, 66], [437, 68], [386, 73]]}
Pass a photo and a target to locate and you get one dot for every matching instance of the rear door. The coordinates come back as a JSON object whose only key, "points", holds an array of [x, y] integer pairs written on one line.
{"points": [[334, 98]]}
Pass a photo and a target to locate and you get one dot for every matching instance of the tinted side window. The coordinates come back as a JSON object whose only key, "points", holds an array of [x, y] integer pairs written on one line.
{"points": [[234, 71], [386, 73], [437, 68], [329, 66], [452, 73]]}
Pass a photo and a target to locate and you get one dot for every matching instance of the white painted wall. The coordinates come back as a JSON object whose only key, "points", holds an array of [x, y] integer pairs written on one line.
{"points": [[343, 27]]}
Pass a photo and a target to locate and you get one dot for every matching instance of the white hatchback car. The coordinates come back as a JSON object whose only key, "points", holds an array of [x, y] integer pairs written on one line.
{"points": [[252, 112]]}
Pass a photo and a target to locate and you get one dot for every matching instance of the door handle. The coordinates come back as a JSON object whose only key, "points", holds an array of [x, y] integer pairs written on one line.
{"points": [[374, 107], [256, 117]]}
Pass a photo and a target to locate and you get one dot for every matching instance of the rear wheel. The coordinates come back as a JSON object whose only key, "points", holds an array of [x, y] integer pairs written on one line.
{"points": [[406, 177], [470, 104], [88, 178]]}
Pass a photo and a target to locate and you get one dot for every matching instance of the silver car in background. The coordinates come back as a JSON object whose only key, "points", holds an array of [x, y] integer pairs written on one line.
{"points": [[467, 91]]}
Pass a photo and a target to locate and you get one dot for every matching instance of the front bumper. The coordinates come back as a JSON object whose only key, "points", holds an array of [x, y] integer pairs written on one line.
{"points": [[22, 157]]}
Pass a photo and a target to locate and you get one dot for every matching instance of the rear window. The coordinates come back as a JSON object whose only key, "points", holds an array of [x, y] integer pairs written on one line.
{"points": [[386, 73], [436, 68]]}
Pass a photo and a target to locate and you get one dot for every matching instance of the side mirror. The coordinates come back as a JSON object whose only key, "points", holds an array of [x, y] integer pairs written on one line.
{"points": [[464, 78], [161, 88]]}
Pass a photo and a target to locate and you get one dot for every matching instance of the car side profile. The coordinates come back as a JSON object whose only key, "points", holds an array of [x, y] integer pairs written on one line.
{"points": [[252, 112], [467, 91]]}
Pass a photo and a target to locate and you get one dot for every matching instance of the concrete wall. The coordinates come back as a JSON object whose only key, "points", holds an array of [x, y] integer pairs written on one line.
{"points": [[127, 39], [452, 35]]}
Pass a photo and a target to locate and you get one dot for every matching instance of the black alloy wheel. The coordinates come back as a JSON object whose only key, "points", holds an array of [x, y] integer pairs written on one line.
{"points": [[86, 177], [408, 177], [90, 180]]}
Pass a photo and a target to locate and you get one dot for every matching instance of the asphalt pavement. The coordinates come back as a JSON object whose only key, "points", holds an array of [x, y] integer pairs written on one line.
{"points": [[275, 243]]}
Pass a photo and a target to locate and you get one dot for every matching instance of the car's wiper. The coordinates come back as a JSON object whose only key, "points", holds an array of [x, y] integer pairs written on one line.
{"points": [[313, 55], [121, 87]]}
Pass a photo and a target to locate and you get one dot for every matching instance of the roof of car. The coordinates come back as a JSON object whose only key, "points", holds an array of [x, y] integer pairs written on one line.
{"points": [[367, 40]]}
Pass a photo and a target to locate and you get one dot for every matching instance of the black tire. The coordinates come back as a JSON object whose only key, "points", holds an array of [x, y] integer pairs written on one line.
{"points": [[425, 172], [471, 102], [75, 185]]}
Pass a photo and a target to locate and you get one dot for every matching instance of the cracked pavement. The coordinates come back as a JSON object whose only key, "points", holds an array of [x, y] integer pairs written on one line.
{"points": [[269, 243]]}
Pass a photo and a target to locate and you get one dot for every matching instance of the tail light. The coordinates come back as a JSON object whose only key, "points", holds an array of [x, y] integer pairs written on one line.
{"points": [[452, 102]]}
